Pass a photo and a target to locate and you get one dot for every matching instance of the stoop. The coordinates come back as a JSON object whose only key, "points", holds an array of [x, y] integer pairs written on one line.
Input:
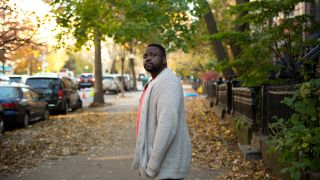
{"points": [[257, 140], [250, 152]]}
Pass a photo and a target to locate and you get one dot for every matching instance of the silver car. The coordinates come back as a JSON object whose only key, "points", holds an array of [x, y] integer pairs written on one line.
{"points": [[111, 83]]}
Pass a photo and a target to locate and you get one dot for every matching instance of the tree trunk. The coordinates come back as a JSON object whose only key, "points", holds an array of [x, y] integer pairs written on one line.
{"points": [[122, 78], [236, 50], [218, 48], [114, 59], [113, 66], [98, 91], [132, 68], [30, 66], [3, 68], [3, 59]]}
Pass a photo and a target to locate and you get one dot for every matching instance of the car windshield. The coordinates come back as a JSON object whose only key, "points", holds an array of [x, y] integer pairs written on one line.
{"points": [[107, 77], [9, 92], [15, 79], [51, 83], [86, 76]]}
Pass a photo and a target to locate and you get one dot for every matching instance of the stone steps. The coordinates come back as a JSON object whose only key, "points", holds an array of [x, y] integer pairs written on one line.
{"points": [[250, 152]]}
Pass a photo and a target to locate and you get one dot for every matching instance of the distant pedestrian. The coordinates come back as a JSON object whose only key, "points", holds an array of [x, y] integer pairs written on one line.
{"points": [[163, 147]]}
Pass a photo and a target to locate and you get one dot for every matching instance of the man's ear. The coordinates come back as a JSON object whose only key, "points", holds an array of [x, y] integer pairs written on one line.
{"points": [[164, 60]]}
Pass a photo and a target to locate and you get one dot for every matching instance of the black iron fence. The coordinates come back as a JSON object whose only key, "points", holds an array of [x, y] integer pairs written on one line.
{"points": [[245, 103], [223, 96], [205, 87], [272, 107], [210, 89]]}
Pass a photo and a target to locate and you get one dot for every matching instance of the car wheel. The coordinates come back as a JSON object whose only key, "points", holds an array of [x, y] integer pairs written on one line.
{"points": [[66, 108], [46, 114], [1, 128], [25, 122], [79, 103]]}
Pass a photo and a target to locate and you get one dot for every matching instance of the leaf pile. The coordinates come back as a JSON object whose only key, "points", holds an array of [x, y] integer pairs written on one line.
{"points": [[62, 135], [214, 145]]}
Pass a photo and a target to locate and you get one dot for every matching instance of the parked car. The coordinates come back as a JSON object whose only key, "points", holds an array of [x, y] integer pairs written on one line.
{"points": [[61, 93], [86, 80], [4, 77], [18, 78], [110, 83], [21, 104], [1, 122], [128, 82]]}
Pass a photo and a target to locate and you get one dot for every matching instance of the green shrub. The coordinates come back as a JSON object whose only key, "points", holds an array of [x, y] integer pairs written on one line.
{"points": [[298, 138]]}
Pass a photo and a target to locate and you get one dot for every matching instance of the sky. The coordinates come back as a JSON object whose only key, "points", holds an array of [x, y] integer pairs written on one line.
{"points": [[46, 31], [33, 9], [37, 6]]}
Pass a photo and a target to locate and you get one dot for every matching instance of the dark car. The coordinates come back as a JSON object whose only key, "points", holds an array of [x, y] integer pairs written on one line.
{"points": [[1, 123], [61, 93], [21, 104], [86, 80]]}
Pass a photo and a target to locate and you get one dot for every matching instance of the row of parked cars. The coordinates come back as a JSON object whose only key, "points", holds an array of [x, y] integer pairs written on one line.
{"points": [[110, 82], [37, 97]]}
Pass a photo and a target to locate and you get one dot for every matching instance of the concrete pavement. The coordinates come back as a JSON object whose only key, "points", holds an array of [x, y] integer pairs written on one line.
{"points": [[115, 161]]}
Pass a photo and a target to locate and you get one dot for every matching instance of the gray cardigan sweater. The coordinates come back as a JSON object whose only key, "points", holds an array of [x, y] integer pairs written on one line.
{"points": [[163, 147]]}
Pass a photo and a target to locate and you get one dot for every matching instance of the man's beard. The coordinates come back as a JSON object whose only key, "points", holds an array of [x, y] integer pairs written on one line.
{"points": [[151, 68], [154, 68]]}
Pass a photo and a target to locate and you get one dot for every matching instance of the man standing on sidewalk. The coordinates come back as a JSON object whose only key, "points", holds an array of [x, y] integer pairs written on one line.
{"points": [[163, 148]]}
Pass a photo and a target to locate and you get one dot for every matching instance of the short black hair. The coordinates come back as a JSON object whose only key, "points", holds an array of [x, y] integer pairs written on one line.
{"points": [[162, 49]]}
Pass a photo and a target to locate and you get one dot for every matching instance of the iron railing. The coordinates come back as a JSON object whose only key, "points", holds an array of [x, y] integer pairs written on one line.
{"points": [[245, 103], [243, 100], [212, 92], [272, 107], [225, 96]]}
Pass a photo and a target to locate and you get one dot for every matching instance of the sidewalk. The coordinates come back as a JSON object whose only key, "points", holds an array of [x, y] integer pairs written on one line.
{"points": [[113, 163]]}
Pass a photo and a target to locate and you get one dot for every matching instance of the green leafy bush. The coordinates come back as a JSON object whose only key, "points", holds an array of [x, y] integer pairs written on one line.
{"points": [[241, 123], [298, 138], [270, 49]]}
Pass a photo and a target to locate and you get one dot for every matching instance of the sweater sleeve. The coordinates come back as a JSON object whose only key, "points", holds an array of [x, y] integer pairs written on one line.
{"points": [[168, 116]]}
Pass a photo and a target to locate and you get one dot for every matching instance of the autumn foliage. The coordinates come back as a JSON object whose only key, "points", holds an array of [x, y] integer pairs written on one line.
{"points": [[15, 31]]}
